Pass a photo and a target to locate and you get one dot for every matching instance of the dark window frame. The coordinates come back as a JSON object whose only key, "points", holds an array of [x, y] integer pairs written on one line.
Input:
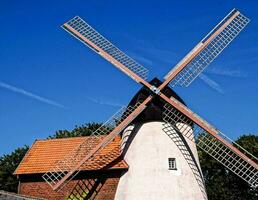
{"points": [[172, 164]]}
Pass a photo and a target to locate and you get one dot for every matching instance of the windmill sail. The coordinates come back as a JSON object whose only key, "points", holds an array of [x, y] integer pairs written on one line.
{"points": [[90, 37], [175, 113], [69, 167], [207, 50], [219, 146]]}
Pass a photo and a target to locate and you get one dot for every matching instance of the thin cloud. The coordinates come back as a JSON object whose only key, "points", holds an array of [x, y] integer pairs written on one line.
{"points": [[31, 95], [107, 103], [211, 83], [228, 72], [141, 58], [160, 54]]}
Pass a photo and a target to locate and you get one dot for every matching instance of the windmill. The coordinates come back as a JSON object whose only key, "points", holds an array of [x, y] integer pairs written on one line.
{"points": [[179, 122]]}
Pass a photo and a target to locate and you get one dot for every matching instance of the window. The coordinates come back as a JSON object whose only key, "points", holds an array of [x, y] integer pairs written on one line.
{"points": [[171, 163]]}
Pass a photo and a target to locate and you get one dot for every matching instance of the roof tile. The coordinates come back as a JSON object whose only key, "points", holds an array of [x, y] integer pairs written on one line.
{"points": [[43, 155]]}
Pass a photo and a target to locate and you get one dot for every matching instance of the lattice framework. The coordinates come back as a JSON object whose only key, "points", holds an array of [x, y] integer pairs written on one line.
{"points": [[211, 145], [64, 166], [97, 39], [86, 189], [210, 52], [175, 118]]}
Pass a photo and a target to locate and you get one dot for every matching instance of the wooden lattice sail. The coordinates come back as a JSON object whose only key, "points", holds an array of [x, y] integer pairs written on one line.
{"points": [[210, 139]]}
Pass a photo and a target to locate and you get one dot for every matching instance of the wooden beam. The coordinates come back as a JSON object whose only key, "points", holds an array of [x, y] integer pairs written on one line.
{"points": [[204, 125], [199, 47], [105, 141], [109, 58]]}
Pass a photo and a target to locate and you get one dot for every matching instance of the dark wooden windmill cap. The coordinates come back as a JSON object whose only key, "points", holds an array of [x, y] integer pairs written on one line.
{"points": [[154, 110]]}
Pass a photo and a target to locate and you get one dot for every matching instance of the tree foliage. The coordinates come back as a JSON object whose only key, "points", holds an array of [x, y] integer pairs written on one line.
{"points": [[220, 183], [223, 184], [83, 130], [8, 163]]}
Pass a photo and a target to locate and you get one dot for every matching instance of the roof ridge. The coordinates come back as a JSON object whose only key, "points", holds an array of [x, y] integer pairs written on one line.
{"points": [[68, 138]]}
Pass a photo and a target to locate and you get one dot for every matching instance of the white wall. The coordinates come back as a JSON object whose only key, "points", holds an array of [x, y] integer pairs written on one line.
{"points": [[148, 176]]}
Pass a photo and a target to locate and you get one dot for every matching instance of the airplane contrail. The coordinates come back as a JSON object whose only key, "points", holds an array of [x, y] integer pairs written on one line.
{"points": [[107, 103], [211, 83], [31, 95]]}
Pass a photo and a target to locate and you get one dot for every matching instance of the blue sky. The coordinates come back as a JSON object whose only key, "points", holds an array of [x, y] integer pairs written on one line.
{"points": [[50, 81]]}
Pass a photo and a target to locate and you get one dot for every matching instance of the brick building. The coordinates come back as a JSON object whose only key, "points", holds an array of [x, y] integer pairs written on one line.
{"points": [[98, 179]]}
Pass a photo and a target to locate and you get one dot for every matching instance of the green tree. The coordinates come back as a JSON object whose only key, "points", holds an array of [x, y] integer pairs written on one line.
{"points": [[83, 130], [223, 184], [8, 163]]}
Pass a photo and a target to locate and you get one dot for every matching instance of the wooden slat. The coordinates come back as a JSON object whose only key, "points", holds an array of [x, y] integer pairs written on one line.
{"points": [[204, 125], [199, 47], [105, 55], [105, 141]]}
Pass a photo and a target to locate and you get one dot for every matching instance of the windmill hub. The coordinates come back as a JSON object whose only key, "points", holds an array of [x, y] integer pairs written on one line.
{"points": [[155, 89], [154, 110]]}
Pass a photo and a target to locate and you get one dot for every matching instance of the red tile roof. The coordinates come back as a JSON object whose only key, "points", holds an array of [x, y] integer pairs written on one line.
{"points": [[43, 155]]}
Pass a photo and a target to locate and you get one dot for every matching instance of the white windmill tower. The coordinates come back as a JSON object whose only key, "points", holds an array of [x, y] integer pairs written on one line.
{"points": [[161, 149]]}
